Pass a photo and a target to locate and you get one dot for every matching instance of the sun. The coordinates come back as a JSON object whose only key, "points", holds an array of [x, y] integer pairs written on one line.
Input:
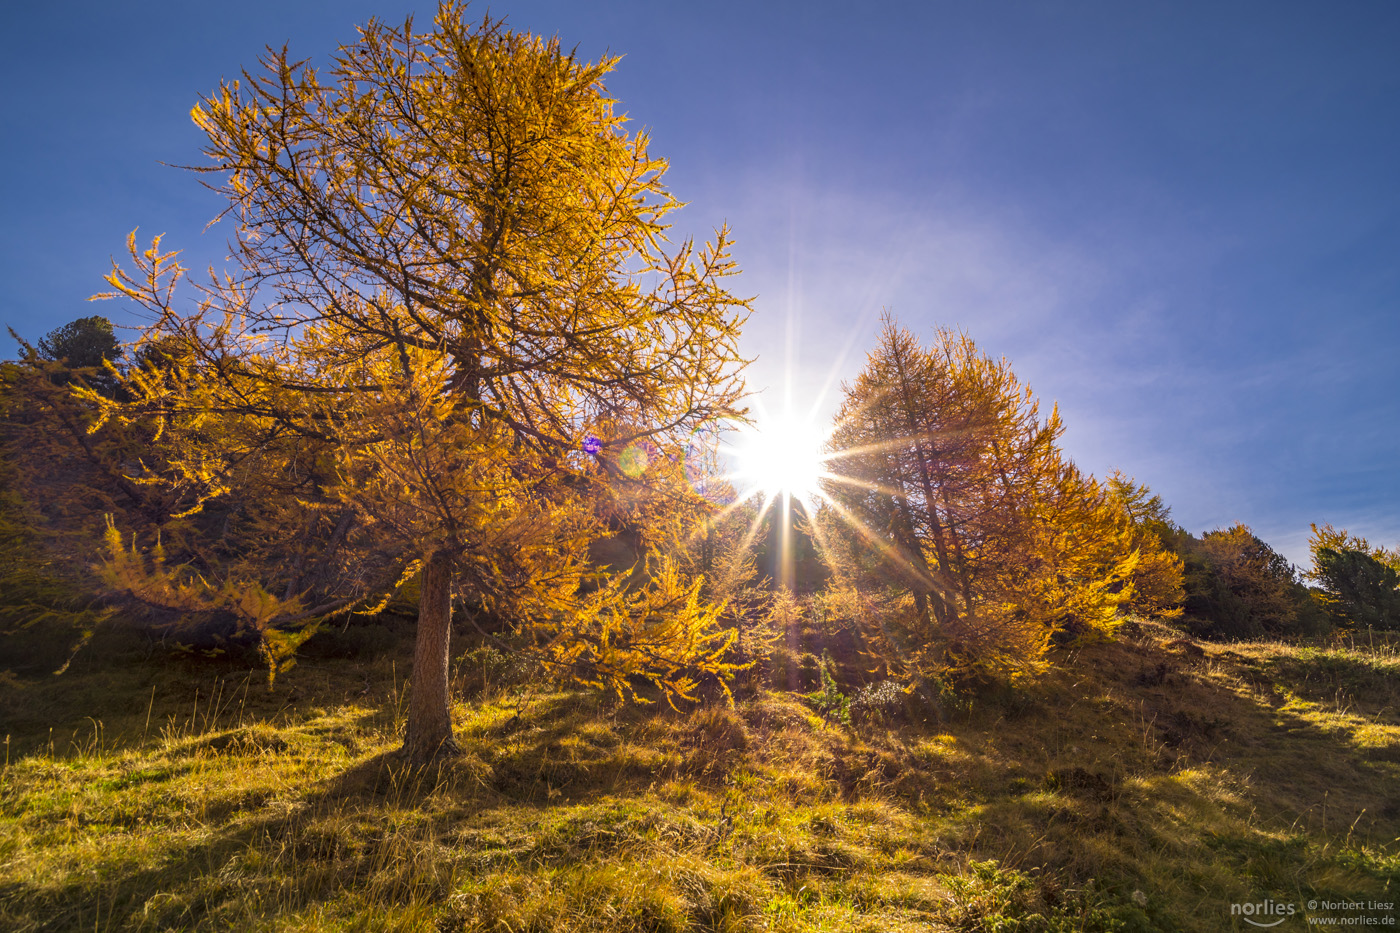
{"points": [[781, 455]]}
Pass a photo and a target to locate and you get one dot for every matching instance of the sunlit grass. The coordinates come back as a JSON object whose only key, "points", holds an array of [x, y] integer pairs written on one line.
{"points": [[1101, 797]]}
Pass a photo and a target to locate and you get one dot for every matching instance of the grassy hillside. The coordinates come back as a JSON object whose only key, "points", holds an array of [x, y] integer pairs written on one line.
{"points": [[1141, 785]]}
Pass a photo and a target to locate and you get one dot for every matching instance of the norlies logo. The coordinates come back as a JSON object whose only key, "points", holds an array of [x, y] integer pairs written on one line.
{"points": [[1269, 913]]}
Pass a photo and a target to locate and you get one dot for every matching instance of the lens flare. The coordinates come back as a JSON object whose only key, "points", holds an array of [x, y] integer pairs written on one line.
{"points": [[634, 460], [702, 463]]}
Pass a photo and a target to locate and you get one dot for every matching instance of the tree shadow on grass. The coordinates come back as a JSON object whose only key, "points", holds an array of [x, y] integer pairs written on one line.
{"points": [[1131, 764], [1142, 762]]}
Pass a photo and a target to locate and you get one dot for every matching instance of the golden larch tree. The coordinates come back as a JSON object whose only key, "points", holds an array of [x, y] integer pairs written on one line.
{"points": [[942, 459], [451, 285]]}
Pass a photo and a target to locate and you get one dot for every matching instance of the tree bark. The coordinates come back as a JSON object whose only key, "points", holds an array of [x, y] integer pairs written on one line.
{"points": [[429, 716]]}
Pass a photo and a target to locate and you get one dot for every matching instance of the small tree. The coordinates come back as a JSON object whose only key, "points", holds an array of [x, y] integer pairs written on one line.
{"points": [[1237, 586], [87, 342], [1252, 576], [1360, 582], [1157, 581], [453, 288]]}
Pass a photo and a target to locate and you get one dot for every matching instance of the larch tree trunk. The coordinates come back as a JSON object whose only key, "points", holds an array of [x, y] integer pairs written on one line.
{"points": [[946, 607], [429, 715]]}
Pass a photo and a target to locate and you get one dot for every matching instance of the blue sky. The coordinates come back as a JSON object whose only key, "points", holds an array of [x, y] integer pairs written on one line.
{"points": [[1180, 221]]}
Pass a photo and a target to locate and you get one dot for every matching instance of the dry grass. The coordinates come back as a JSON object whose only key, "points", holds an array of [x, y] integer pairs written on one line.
{"points": [[1135, 787]]}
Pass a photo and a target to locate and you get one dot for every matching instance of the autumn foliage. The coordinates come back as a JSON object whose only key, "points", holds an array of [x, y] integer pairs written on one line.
{"points": [[949, 484], [450, 274]]}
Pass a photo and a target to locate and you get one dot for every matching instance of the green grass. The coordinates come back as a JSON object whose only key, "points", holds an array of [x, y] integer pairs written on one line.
{"points": [[1134, 787]]}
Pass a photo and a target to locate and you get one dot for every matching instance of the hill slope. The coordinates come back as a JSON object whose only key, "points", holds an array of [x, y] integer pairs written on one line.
{"points": [[1140, 785]]}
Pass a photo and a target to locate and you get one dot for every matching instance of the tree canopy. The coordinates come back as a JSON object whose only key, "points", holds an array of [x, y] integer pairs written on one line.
{"points": [[453, 317], [87, 342], [1359, 581]]}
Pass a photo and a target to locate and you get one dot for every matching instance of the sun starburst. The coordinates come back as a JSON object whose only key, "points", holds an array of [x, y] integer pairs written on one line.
{"points": [[782, 455]]}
